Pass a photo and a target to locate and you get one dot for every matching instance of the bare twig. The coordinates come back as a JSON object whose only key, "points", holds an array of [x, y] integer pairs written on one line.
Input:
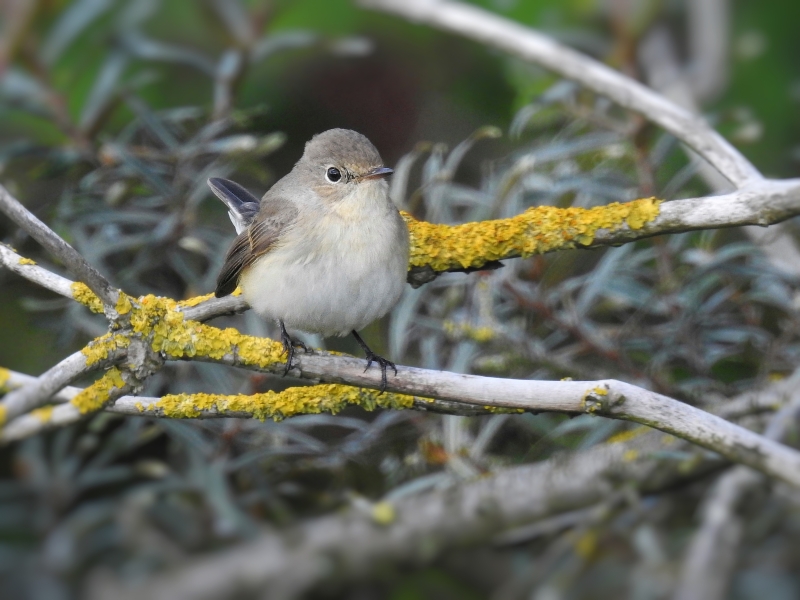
{"points": [[30, 271], [53, 243], [530, 45]]}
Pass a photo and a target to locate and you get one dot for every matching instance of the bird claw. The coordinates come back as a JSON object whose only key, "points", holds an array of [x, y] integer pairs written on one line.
{"points": [[372, 357], [289, 346]]}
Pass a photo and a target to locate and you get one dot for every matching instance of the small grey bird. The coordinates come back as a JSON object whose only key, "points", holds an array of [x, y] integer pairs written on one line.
{"points": [[325, 250]]}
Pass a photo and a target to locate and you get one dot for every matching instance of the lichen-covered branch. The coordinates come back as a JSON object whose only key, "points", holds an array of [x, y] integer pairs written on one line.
{"points": [[270, 405], [438, 248], [493, 30], [107, 388], [39, 392]]}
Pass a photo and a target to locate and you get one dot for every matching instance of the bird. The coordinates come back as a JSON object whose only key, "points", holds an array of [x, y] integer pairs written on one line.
{"points": [[325, 250]]}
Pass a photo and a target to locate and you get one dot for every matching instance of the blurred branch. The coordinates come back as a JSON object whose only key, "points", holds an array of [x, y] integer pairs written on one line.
{"points": [[297, 559], [528, 44], [660, 62], [711, 558], [709, 46]]}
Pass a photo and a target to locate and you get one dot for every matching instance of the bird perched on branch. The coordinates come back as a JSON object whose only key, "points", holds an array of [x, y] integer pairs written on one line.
{"points": [[325, 250]]}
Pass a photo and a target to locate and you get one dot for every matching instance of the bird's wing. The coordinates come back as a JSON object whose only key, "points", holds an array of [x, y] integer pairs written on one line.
{"points": [[276, 215], [242, 205]]}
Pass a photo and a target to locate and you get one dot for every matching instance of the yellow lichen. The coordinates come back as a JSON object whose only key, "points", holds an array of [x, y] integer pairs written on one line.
{"points": [[194, 301], [593, 395], [101, 348], [5, 375], [502, 410], [626, 436], [330, 398], [26, 261], [537, 230], [44, 414], [383, 513], [586, 544], [124, 305], [94, 397], [630, 455], [466, 330], [82, 293]]}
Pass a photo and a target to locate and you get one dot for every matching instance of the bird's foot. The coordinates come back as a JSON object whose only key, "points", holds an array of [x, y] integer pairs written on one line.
{"points": [[384, 364], [372, 357], [289, 346]]}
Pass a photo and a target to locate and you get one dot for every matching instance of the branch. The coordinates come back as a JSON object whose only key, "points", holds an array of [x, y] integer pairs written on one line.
{"points": [[276, 405], [527, 44], [40, 391], [32, 272], [158, 326], [61, 250], [440, 248], [292, 561], [108, 388]]}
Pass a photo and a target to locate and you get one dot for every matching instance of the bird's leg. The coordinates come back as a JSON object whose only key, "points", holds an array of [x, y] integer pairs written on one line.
{"points": [[288, 347], [372, 357]]}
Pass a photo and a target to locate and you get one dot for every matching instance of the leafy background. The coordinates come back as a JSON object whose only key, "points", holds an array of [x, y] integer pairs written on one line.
{"points": [[113, 115]]}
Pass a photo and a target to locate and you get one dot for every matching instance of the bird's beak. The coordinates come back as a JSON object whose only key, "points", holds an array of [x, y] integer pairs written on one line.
{"points": [[377, 173]]}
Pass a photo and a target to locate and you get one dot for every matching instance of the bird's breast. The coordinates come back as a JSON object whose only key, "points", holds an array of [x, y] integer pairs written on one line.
{"points": [[335, 271]]}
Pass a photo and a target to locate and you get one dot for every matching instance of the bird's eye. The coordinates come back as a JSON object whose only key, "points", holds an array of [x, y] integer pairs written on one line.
{"points": [[333, 174]]}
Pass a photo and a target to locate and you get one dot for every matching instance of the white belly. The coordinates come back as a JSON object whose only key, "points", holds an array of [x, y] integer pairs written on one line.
{"points": [[342, 275]]}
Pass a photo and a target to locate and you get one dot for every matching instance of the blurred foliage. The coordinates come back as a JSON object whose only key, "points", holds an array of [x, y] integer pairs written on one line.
{"points": [[115, 112]]}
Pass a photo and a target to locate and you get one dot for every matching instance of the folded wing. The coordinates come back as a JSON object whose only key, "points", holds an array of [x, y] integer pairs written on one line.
{"points": [[259, 225]]}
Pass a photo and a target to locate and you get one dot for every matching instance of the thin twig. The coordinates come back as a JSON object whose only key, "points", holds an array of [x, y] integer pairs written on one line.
{"points": [[32, 272]]}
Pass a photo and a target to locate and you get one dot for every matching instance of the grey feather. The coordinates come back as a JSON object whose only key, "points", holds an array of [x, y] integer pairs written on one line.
{"points": [[242, 205]]}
